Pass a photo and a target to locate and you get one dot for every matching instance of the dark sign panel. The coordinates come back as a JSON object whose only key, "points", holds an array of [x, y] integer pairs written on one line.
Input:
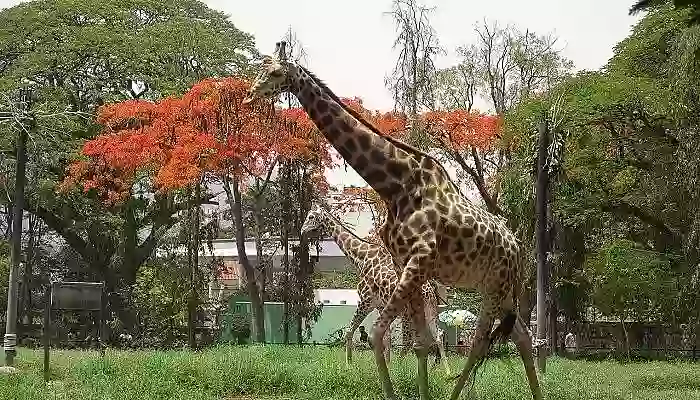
{"points": [[85, 296]]}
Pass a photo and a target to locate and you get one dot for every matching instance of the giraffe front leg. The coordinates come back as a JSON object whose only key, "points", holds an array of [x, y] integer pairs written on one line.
{"points": [[443, 357], [363, 309], [432, 325], [523, 341], [396, 303], [409, 284]]}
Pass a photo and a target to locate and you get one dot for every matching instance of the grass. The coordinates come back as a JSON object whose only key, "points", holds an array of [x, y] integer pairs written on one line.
{"points": [[275, 373]]}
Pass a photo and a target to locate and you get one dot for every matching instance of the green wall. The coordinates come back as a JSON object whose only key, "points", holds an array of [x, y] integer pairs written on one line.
{"points": [[332, 318]]}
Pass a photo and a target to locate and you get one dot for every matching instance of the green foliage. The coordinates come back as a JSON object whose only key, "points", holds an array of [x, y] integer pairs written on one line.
{"points": [[692, 6], [235, 328], [628, 281], [94, 51], [79, 55], [282, 373], [462, 299], [627, 171], [645, 53], [345, 279]]}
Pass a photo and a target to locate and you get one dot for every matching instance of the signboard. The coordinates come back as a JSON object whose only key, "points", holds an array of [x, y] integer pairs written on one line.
{"points": [[80, 296], [73, 296]]}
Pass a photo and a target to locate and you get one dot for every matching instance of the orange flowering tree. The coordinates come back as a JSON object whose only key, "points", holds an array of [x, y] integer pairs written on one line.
{"points": [[206, 134], [470, 140]]}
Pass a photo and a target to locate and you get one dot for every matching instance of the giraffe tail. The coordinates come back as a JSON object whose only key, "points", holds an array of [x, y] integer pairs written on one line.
{"points": [[504, 329]]}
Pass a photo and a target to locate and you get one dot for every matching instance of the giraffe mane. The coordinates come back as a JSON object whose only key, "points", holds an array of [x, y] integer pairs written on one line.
{"points": [[398, 143]]}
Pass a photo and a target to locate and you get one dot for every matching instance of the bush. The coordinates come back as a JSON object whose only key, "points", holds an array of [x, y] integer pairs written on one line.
{"points": [[235, 328]]}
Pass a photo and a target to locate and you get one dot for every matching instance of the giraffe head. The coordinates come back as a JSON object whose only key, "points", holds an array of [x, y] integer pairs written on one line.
{"points": [[275, 77], [314, 220]]}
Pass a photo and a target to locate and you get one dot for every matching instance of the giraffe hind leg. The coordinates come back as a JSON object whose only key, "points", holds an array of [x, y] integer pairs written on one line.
{"points": [[441, 349], [361, 313], [424, 339], [477, 352], [523, 341], [431, 320]]}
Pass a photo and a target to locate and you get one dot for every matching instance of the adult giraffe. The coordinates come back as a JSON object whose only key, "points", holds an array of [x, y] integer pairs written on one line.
{"points": [[378, 279], [431, 228]]}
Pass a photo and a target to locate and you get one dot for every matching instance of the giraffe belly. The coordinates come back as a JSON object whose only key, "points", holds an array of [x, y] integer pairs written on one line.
{"points": [[460, 276]]}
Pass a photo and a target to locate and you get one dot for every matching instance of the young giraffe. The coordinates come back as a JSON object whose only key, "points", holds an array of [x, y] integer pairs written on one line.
{"points": [[378, 279], [431, 229]]}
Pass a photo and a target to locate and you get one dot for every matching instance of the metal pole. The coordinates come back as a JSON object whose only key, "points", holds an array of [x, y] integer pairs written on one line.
{"points": [[542, 273], [10, 342]]}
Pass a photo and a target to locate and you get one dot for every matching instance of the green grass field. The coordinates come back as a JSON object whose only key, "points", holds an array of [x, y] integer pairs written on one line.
{"points": [[276, 372]]}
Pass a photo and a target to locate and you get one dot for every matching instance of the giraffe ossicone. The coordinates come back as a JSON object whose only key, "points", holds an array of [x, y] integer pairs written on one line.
{"points": [[432, 230]]}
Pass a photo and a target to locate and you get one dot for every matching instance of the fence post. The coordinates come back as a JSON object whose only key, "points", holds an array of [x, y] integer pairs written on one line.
{"points": [[47, 331]]}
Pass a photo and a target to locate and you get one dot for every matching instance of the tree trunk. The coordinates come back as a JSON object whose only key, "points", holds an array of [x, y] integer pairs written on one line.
{"points": [[553, 331], [25, 297], [234, 197], [261, 257], [627, 338], [193, 265], [542, 273], [264, 264], [525, 304], [304, 290], [286, 193], [16, 248]]}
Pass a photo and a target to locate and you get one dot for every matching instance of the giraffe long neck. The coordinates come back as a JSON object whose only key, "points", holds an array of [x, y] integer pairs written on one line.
{"points": [[381, 163], [357, 250]]}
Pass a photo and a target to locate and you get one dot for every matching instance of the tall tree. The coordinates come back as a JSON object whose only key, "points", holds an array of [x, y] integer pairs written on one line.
{"points": [[456, 87], [691, 6], [412, 80], [294, 51], [82, 55], [173, 143]]}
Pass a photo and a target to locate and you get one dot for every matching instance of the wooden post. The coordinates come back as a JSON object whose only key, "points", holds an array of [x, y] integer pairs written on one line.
{"points": [[542, 273], [47, 331], [101, 325]]}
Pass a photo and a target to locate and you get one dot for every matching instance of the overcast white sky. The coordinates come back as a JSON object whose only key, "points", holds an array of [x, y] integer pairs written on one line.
{"points": [[349, 43]]}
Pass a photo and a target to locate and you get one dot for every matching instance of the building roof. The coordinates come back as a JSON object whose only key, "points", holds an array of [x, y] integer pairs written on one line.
{"points": [[227, 272]]}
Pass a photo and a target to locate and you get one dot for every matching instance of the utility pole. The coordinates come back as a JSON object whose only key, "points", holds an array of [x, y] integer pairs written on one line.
{"points": [[542, 270], [10, 342]]}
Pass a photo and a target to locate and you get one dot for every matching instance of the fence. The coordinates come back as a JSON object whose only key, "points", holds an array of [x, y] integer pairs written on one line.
{"points": [[631, 340], [591, 339]]}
